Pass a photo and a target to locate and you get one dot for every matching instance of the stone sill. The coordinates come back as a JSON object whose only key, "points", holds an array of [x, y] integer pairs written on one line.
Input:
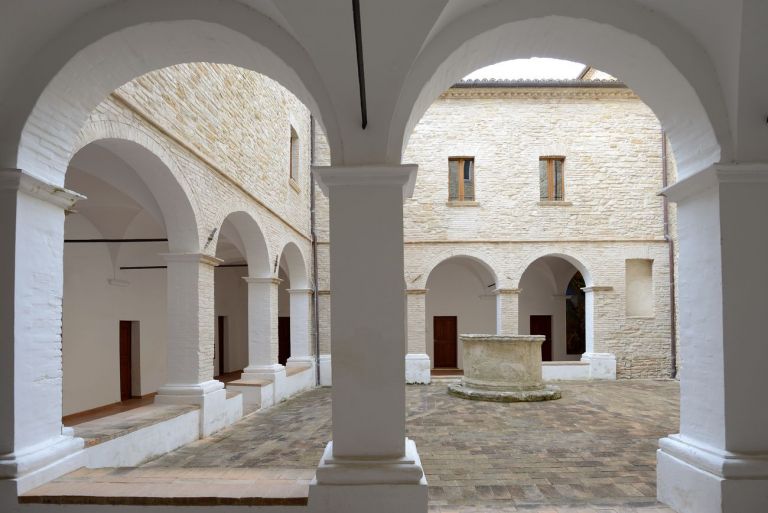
{"points": [[556, 203], [294, 184], [456, 203], [641, 317]]}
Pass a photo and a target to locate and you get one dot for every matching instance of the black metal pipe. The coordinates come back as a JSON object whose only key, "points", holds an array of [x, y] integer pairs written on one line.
{"points": [[671, 245], [313, 235], [360, 64], [89, 241]]}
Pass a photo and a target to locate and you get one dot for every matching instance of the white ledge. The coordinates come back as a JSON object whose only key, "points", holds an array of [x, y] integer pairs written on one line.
{"points": [[19, 180], [747, 172]]}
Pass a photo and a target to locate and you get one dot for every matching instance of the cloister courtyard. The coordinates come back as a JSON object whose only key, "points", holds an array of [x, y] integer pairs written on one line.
{"points": [[593, 450]]}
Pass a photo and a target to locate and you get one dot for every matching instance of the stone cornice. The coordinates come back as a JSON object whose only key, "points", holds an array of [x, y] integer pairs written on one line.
{"points": [[19, 180], [358, 176], [504, 93], [273, 279], [300, 291], [506, 291], [192, 257], [415, 292], [747, 172]]}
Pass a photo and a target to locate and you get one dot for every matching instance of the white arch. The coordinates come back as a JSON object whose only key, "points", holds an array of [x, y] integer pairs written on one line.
{"points": [[252, 239], [474, 256], [297, 269], [657, 59], [159, 171], [577, 262], [111, 46]]}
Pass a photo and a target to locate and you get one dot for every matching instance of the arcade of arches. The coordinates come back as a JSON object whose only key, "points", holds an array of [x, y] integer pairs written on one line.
{"points": [[199, 222]]}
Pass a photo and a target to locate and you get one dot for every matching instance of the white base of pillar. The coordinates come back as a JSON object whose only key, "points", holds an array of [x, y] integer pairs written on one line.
{"points": [[42, 463], [346, 485], [274, 372], [210, 396], [601, 365], [693, 479], [325, 370], [418, 369]]}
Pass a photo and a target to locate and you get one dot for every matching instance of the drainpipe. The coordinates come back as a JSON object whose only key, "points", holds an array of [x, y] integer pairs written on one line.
{"points": [[315, 307], [671, 245]]}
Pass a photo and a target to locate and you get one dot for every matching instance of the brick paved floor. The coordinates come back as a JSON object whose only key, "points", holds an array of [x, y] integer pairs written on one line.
{"points": [[591, 451]]}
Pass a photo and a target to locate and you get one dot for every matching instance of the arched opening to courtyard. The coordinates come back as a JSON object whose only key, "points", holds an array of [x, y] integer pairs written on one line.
{"points": [[460, 299], [115, 295]]}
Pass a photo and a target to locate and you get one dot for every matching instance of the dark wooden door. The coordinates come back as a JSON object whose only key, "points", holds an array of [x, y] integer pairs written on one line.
{"points": [[125, 359], [283, 339], [445, 342], [542, 325], [221, 326]]}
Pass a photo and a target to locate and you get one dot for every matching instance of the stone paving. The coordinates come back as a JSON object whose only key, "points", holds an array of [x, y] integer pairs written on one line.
{"points": [[591, 451]]}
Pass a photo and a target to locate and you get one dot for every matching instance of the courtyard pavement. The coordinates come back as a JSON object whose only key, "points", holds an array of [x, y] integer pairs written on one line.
{"points": [[591, 451]]}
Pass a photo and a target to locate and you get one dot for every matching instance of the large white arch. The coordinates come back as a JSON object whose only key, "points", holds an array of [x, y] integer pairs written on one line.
{"points": [[254, 245], [483, 259], [665, 66], [576, 261], [295, 262], [159, 171], [112, 45]]}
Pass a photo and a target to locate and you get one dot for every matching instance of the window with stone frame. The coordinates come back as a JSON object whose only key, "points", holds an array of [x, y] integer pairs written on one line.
{"points": [[461, 178], [294, 157], [551, 178]]}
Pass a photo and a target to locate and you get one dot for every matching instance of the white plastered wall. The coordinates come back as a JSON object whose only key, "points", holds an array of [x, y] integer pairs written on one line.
{"points": [[232, 302]]}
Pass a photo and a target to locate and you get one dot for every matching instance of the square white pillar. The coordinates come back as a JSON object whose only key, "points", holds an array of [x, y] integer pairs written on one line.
{"points": [[301, 328], [191, 338], [34, 447], [602, 365], [718, 462], [417, 363], [369, 465]]}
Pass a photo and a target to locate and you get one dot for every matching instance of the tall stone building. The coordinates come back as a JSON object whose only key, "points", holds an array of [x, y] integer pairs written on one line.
{"points": [[536, 210]]}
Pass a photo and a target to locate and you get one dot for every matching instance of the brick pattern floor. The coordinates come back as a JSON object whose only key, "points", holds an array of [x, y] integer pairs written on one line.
{"points": [[591, 451]]}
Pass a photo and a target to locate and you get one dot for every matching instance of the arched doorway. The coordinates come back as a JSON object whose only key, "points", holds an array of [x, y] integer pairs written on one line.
{"points": [[460, 299]]}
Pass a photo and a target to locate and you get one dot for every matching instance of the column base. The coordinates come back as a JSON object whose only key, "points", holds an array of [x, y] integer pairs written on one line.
{"points": [[695, 479], [325, 370], [350, 485], [275, 372], [601, 365], [44, 462], [216, 412], [418, 369]]}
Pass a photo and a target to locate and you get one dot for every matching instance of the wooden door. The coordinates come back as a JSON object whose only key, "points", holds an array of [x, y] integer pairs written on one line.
{"points": [[542, 325], [283, 339], [445, 335], [221, 326], [125, 359]]}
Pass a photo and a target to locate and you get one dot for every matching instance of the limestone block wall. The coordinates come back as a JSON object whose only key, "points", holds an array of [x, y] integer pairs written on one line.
{"points": [[611, 212], [224, 134]]}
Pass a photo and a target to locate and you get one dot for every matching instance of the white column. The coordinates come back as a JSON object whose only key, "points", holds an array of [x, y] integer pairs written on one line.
{"points": [[301, 328], [190, 339], [507, 311], [324, 314], [602, 364], [262, 327], [417, 363], [718, 462], [369, 465], [34, 447]]}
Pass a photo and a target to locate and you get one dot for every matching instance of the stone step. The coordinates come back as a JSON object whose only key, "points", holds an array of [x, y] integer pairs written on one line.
{"points": [[161, 486]]}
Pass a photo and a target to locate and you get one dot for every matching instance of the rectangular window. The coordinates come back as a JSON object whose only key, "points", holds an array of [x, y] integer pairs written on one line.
{"points": [[551, 178], [461, 178], [639, 288], [294, 156]]}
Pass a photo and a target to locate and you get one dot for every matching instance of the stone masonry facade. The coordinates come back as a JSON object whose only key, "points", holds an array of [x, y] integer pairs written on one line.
{"points": [[611, 211]]}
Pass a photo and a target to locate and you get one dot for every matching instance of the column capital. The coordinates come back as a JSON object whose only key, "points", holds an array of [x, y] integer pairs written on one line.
{"points": [[266, 278], [299, 292], [383, 175], [744, 172], [416, 292], [19, 180], [192, 257], [500, 291], [597, 288]]}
